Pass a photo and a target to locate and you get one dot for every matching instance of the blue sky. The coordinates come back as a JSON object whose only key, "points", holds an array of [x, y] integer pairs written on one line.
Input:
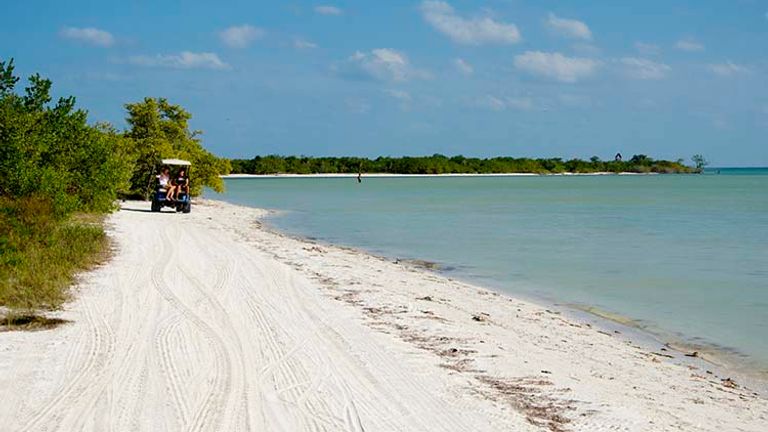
{"points": [[480, 78]]}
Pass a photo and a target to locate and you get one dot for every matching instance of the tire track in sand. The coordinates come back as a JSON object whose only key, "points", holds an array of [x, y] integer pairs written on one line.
{"points": [[208, 415], [174, 380], [291, 380], [220, 288], [216, 403], [99, 344]]}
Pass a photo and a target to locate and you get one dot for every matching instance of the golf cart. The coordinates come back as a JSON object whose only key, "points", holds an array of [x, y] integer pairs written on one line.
{"points": [[182, 202]]}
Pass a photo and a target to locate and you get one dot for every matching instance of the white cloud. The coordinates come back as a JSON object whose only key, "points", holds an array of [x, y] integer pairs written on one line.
{"points": [[402, 96], [384, 64], [299, 43], [504, 103], [240, 36], [640, 68], [492, 102], [689, 45], [729, 69], [463, 66], [569, 28], [89, 35], [328, 10], [469, 31], [183, 60], [647, 49], [399, 94], [556, 66], [522, 103]]}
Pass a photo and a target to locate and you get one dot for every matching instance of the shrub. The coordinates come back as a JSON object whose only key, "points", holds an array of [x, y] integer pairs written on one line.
{"points": [[52, 152], [40, 255]]}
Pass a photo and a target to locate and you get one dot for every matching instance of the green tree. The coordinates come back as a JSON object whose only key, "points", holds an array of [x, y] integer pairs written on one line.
{"points": [[699, 161], [7, 79], [159, 130], [51, 152], [641, 159]]}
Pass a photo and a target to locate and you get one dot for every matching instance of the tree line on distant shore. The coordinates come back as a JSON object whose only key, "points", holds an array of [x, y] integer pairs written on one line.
{"points": [[440, 164]]}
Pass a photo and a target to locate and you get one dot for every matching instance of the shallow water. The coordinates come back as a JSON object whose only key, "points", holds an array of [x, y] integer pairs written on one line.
{"points": [[685, 257]]}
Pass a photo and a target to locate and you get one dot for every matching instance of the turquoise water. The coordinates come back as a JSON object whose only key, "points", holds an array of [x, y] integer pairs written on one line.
{"points": [[686, 257]]}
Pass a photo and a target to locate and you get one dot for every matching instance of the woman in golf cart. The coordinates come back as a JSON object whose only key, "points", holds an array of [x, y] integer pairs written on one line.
{"points": [[164, 181], [179, 184]]}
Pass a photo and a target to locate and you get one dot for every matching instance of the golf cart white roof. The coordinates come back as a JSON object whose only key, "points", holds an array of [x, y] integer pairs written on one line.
{"points": [[176, 162]]}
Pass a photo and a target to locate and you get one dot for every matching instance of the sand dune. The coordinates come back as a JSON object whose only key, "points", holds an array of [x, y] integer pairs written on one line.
{"points": [[210, 322]]}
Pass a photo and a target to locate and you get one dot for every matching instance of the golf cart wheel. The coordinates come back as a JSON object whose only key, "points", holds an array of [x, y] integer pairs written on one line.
{"points": [[187, 207], [155, 206]]}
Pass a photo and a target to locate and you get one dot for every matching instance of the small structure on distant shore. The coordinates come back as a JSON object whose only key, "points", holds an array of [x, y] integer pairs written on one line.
{"points": [[618, 157]]}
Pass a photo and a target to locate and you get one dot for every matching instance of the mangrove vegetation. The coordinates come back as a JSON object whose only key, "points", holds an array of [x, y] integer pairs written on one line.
{"points": [[439, 164]]}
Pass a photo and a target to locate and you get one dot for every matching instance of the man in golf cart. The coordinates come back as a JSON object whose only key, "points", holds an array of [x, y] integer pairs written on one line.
{"points": [[172, 190]]}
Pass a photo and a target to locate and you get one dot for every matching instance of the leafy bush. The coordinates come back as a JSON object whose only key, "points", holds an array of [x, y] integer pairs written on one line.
{"points": [[52, 152]]}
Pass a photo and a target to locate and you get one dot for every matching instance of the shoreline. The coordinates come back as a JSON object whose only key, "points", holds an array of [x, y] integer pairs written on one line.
{"points": [[388, 175], [608, 324], [721, 360], [211, 320]]}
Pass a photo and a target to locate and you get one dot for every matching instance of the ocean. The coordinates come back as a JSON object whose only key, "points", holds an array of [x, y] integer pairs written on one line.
{"points": [[684, 257]]}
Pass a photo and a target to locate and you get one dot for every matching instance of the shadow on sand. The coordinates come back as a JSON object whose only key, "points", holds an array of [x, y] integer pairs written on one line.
{"points": [[29, 322], [135, 210], [138, 210]]}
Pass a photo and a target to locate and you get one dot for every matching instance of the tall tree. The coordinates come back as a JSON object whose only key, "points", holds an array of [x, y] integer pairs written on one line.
{"points": [[159, 130], [699, 161]]}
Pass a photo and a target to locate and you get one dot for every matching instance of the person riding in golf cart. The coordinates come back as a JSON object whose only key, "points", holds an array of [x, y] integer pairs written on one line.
{"points": [[179, 185], [172, 189]]}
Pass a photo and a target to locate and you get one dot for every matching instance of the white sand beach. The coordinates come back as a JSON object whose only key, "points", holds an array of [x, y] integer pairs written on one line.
{"points": [[211, 322]]}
